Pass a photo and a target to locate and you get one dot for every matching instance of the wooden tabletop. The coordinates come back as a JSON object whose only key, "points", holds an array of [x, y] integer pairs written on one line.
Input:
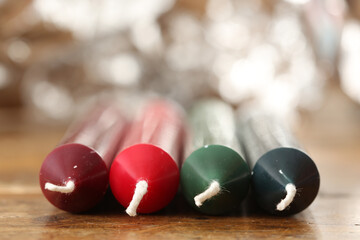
{"points": [[331, 135]]}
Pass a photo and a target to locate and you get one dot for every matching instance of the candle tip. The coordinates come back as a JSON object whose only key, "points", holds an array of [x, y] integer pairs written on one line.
{"points": [[211, 191], [290, 194], [140, 191], [68, 188]]}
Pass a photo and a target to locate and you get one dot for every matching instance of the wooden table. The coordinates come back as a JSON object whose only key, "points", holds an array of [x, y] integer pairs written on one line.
{"points": [[331, 135]]}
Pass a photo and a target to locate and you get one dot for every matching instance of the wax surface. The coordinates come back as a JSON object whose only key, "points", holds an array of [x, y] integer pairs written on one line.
{"points": [[220, 163], [215, 157], [83, 157], [80, 164], [152, 152], [278, 167], [276, 161], [145, 162]]}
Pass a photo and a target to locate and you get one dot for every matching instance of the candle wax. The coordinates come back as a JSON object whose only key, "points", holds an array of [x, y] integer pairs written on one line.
{"points": [[279, 167], [220, 163], [285, 179], [74, 176], [145, 162], [152, 152], [80, 164], [214, 177]]}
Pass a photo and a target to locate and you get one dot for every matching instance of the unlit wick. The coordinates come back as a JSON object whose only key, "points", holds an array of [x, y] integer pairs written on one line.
{"points": [[290, 194], [68, 188], [211, 191], [140, 191]]}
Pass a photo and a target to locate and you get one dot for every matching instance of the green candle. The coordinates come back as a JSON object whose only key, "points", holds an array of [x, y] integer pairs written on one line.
{"points": [[214, 177], [285, 180]]}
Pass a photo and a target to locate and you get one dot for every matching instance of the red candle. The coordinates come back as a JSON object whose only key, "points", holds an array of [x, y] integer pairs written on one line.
{"points": [[74, 176], [144, 177]]}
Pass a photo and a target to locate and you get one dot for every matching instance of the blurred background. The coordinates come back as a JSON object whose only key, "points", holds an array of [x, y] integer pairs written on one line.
{"points": [[279, 54], [299, 59]]}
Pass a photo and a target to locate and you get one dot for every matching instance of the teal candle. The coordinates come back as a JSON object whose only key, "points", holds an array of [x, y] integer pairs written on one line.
{"points": [[285, 180], [214, 178]]}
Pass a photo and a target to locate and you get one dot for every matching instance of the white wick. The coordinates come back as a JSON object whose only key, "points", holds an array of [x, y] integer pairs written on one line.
{"points": [[68, 188], [140, 191], [211, 191], [290, 194]]}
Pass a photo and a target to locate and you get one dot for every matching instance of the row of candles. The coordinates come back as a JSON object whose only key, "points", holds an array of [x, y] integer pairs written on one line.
{"points": [[215, 154]]}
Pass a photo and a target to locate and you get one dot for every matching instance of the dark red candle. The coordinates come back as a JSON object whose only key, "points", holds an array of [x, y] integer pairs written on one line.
{"points": [[74, 176], [144, 177]]}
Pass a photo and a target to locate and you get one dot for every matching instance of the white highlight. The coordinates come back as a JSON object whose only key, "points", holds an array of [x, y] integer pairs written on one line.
{"points": [[18, 51], [4, 77], [68, 188], [122, 69], [297, 1], [140, 191], [290, 194], [212, 190]]}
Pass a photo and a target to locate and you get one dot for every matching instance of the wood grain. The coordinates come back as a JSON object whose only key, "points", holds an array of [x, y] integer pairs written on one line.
{"points": [[331, 135]]}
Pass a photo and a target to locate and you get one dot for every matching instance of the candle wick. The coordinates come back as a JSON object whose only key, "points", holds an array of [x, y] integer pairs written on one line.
{"points": [[290, 194], [140, 191], [68, 188], [211, 191]]}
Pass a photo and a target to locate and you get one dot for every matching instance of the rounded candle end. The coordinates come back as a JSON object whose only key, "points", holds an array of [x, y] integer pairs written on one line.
{"points": [[220, 163], [285, 168], [148, 162], [74, 177]]}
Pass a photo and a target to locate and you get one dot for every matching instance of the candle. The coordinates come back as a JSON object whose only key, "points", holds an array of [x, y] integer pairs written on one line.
{"points": [[144, 177], [214, 177], [74, 176], [285, 179]]}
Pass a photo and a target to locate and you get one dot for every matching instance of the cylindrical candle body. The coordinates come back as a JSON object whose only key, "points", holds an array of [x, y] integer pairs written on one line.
{"points": [[152, 153], [285, 180], [74, 176], [216, 158]]}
